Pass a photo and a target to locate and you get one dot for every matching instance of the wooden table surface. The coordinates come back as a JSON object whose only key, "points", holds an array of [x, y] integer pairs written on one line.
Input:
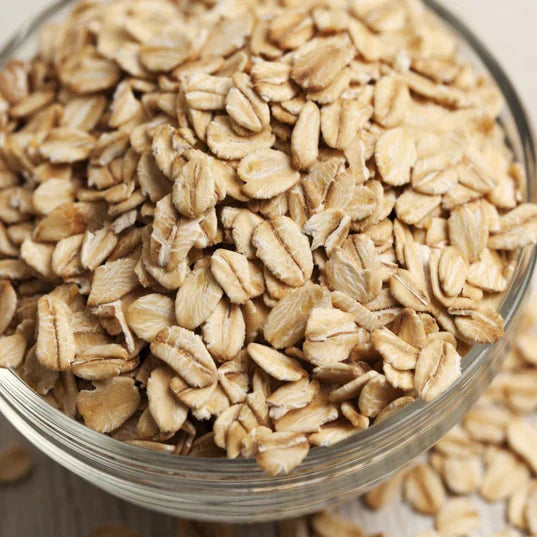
{"points": [[55, 503]]}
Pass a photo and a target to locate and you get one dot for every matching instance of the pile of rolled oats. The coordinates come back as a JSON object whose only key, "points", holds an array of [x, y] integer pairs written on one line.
{"points": [[248, 228]]}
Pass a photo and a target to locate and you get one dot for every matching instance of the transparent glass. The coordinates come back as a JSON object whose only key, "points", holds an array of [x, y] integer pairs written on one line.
{"points": [[237, 491]]}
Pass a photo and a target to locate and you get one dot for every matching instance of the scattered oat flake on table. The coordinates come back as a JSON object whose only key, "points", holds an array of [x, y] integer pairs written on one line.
{"points": [[111, 530], [15, 464]]}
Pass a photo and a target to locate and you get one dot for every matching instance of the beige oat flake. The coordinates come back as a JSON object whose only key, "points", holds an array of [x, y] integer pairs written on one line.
{"points": [[457, 517], [185, 352], [55, 339], [424, 489], [284, 250], [149, 314], [267, 173], [437, 367], [305, 137], [315, 69], [109, 405], [245, 106]]}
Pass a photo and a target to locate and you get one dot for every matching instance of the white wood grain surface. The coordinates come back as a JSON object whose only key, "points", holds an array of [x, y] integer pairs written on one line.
{"points": [[55, 503]]}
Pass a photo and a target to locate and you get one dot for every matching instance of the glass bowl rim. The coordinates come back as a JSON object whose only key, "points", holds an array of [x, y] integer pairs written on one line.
{"points": [[110, 448]]}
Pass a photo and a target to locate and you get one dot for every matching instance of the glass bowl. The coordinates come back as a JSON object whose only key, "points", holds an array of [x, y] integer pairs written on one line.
{"points": [[237, 491]]}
